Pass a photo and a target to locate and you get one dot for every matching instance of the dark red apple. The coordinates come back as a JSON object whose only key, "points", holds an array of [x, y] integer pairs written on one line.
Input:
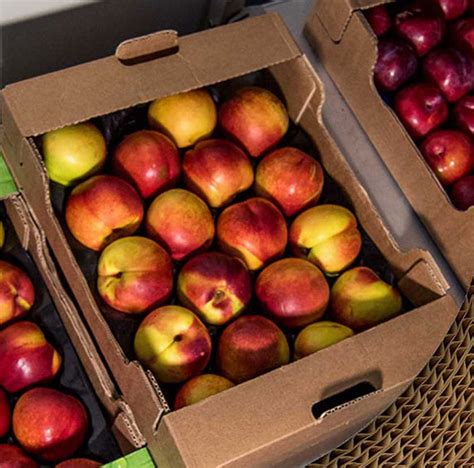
{"points": [[423, 28], [452, 9], [396, 64], [452, 71], [462, 193], [421, 107], [464, 114], [379, 19], [12, 456], [5, 413], [462, 34], [449, 153]]}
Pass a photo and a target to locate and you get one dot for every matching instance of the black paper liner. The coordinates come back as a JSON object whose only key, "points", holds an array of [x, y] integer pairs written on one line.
{"points": [[100, 444]]}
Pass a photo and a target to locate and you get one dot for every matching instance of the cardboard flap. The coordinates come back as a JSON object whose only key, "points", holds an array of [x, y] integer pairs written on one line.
{"points": [[103, 86]]}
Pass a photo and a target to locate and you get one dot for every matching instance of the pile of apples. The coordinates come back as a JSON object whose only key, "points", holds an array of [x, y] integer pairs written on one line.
{"points": [[231, 240], [46, 423], [426, 57]]}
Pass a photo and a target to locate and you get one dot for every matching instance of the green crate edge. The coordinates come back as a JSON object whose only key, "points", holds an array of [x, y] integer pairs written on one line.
{"points": [[139, 459]]}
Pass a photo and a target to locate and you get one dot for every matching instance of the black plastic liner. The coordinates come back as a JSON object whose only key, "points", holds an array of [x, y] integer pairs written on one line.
{"points": [[100, 444]]}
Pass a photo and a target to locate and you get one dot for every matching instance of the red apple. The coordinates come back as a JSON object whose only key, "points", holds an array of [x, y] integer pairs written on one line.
{"points": [[452, 71], [462, 34], [26, 358], [256, 118], [148, 160], [396, 64], [180, 221], [79, 463], [292, 179], [464, 114], [215, 286], [423, 28], [102, 209], [251, 346], [5, 414], [462, 192], [253, 230], [17, 293], [449, 153], [293, 292], [134, 274], [49, 423], [421, 107], [217, 170], [379, 19], [452, 8], [12, 456]]}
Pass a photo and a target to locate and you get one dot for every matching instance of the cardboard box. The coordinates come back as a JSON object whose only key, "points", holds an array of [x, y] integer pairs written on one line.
{"points": [[273, 419], [347, 47]]}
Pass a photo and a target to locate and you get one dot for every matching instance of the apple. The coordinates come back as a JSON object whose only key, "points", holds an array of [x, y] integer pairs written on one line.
{"points": [[215, 286], [103, 209], [2, 234], [173, 343], [421, 107], [360, 299], [464, 114], [327, 236], [396, 64], [256, 118], [73, 153], [26, 357], [462, 34], [462, 193], [134, 274], [452, 71], [452, 9], [79, 463], [290, 178], [253, 230], [12, 456], [251, 346], [199, 388], [318, 336], [293, 292], [379, 19], [17, 294], [424, 29], [217, 170], [50, 424], [149, 160], [180, 221], [5, 414], [186, 117], [449, 153]]}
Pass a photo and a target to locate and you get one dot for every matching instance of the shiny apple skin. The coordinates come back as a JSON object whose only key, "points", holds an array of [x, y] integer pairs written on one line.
{"points": [[379, 19], [464, 114], [462, 193]]}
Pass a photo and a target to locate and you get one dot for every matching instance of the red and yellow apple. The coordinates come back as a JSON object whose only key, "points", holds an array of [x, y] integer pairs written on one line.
{"points": [[327, 236], [217, 170], [79, 463], [73, 153], [360, 299], [215, 286], [318, 336], [173, 343], [180, 221], [50, 424], [186, 117], [253, 230], [102, 209], [5, 414], [134, 274], [199, 388], [293, 292], [290, 178], [251, 346], [17, 294], [149, 160], [12, 456], [256, 118], [26, 357]]}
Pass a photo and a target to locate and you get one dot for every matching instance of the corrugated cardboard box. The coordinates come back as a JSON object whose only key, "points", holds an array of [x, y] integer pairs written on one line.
{"points": [[271, 420], [347, 48]]}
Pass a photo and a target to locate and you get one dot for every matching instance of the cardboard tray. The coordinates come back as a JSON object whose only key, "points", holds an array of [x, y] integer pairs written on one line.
{"points": [[347, 48], [270, 419]]}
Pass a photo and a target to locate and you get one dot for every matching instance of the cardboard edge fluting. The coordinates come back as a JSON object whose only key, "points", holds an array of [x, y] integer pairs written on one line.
{"points": [[270, 417], [349, 54]]}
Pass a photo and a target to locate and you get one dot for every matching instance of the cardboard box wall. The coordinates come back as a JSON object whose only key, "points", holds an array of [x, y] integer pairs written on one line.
{"points": [[267, 420], [347, 47]]}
